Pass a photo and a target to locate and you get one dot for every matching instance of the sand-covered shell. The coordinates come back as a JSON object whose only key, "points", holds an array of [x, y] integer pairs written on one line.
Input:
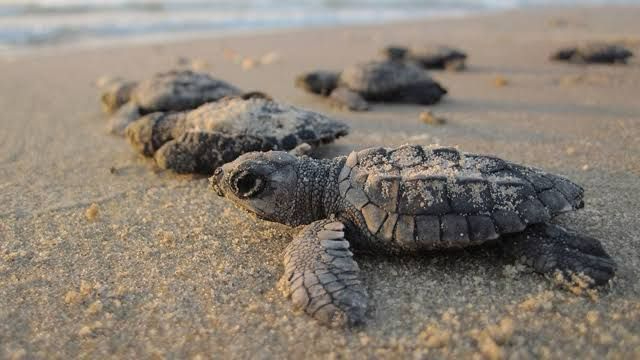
{"points": [[438, 197], [180, 90], [593, 53], [279, 126], [429, 57], [174, 90], [379, 80]]}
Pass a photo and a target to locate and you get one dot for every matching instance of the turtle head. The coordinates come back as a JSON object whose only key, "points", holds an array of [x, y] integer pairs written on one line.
{"points": [[394, 52], [262, 183], [564, 54], [318, 82]]}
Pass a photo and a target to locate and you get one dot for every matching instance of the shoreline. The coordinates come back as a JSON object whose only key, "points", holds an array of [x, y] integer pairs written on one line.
{"points": [[176, 38], [163, 267]]}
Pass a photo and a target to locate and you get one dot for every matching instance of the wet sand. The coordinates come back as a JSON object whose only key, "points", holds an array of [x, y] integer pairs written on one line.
{"points": [[162, 267]]}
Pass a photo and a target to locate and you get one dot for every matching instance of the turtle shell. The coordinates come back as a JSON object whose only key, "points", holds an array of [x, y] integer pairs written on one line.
{"points": [[281, 126], [594, 53], [438, 197], [435, 56], [179, 90], [376, 79]]}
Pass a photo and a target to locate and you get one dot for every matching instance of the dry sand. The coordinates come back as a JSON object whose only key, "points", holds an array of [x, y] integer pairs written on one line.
{"points": [[162, 267]]}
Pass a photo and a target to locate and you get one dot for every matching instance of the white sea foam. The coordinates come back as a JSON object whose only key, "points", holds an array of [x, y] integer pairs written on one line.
{"points": [[31, 23]]}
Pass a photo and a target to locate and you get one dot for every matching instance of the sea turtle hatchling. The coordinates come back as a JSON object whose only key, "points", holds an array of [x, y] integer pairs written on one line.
{"points": [[404, 199], [387, 81], [175, 90], [602, 53], [429, 57], [200, 140]]}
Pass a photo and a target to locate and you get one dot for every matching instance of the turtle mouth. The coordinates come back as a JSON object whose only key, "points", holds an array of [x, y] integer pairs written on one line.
{"points": [[215, 181]]}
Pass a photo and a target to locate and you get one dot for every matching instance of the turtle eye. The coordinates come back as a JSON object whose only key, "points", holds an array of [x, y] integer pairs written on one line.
{"points": [[247, 184]]}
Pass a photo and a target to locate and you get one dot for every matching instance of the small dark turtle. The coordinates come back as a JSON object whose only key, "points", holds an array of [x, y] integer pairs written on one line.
{"points": [[594, 53], [389, 81], [175, 90], [434, 57], [405, 199], [200, 140]]}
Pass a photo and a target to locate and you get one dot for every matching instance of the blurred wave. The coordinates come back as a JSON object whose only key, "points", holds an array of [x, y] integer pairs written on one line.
{"points": [[32, 23]]}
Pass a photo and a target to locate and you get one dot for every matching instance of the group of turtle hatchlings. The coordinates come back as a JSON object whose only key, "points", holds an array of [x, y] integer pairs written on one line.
{"points": [[380, 200]]}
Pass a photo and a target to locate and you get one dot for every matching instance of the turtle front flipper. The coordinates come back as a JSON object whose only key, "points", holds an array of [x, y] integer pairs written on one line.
{"points": [[321, 276], [549, 248], [349, 99], [203, 151], [303, 149], [147, 134], [120, 119]]}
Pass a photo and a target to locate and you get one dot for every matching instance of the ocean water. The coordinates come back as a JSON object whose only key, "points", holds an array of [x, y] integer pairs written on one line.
{"points": [[28, 24]]}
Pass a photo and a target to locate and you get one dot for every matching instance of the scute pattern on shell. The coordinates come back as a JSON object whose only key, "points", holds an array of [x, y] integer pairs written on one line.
{"points": [[437, 197], [381, 77]]}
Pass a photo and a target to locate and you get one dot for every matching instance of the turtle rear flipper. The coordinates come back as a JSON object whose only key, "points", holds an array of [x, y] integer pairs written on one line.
{"points": [[204, 151], [549, 248]]}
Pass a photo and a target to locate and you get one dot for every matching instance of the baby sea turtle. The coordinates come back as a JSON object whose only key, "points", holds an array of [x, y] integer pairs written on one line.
{"points": [[404, 199], [200, 140], [429, 57], [175, 90], [593, 53], [389, 81]]}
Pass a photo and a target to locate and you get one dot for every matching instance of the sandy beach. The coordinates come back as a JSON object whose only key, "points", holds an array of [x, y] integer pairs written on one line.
{"points": [[161, 267]]}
